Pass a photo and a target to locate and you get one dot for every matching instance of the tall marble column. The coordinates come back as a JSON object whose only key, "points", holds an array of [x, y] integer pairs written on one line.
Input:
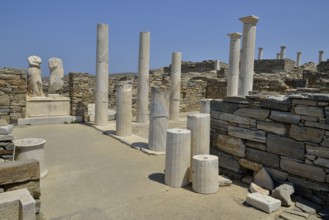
{"points": [[233, 68], [278, 56], [143, 78], [123, 109], [320, 56], [298, 60], [158, 118], [282, 52], [246, 77], [102, 66], [260, 53], [175, 86]]}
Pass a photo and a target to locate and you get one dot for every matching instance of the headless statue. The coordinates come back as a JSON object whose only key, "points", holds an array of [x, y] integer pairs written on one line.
{"points": [[56, 82], [34, 81]]}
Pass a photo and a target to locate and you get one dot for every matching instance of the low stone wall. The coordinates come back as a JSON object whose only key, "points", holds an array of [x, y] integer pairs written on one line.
{"points": [[273, 66], [204, 66], [323, 66], [12, 94], [318, 80], [19, 175], [289, 136]]}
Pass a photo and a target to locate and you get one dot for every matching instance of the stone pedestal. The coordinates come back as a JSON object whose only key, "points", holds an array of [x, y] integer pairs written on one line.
{"points": [[143, 78], [158, 119], [102, 63], [199, 125], [282, 52], [31, 148], [178, 152], [321, 52], [55, 105], [123, 109], [233, 69], [260, 53], [298, 59], [246, 77], [175, 86], [205, 106], [205, 174]]}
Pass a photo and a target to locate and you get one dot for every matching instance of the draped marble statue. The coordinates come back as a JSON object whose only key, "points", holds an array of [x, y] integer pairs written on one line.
{"points": [[56, 82], [34, 81]]}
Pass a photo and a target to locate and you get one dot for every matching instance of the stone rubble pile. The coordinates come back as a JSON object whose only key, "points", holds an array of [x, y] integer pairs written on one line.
{"points": [[6, 143]]}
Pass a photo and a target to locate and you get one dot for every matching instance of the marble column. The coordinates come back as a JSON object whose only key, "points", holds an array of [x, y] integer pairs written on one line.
{"points": [[233, 66], [246, 77], [298, 60], [278, 56], [217, 65], [205, 106], [158, 118], [143, 78], [205, 174], [283, 52], [178, 153], [102, 66], [260, 53], [175, 86], [320, 56], [123, 109]]}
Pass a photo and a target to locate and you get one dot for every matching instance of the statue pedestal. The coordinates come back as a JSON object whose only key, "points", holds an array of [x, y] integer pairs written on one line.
{"points": [[53, 109]]}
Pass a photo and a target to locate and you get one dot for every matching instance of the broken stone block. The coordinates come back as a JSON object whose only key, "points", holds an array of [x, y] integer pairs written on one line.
{"points": [[263, 202], [263, 179], [283, 193], [307, 206], [5, 130], [10, 209], [255, 188], [224, 181], [298, 212]]}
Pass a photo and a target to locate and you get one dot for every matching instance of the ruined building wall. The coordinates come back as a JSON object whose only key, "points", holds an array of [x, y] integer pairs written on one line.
{"points": [[12, 94], [273, 66], [289, 136]]}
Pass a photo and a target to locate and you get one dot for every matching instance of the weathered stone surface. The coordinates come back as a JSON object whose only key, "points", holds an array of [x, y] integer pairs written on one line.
{"points": [[231, 145], [236, 99], [285, 117], [33, 186], [4, 100], [276, 128], [308, 118], [317, 125], [309, 184], [298, 212], [257, 113], [304, 102], [220, 106], [263, 179], [309, 111], [310, 157], [263, 157], [318, 97], [258, 136], [10, 210], [283, 193], [247, 179], [226, 161], [259, 146], [5, 130], [322, 162], [304, 170], [7, 137], [277, 175], [263, 202], [306, 134], [255, 188], [285, 146], [19, 171], [307, 206], [250, 164], [277, 103], [224, 181], [317, 150], [291, 216], [232, 118]]}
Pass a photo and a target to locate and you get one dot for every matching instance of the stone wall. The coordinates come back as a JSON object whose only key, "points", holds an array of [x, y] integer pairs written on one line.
{"points": [[289, 136], [273, 66], [19, 175], [12, 94], [323, 66], [204, 66]]}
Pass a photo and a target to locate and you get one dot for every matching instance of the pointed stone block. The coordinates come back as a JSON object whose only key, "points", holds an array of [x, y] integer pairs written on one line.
{"points": [[263, 179]]}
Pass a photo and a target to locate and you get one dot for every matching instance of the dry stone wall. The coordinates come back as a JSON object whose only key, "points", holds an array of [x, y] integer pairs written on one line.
{"points": [[288, 135], [12, 94], [273, 66]]}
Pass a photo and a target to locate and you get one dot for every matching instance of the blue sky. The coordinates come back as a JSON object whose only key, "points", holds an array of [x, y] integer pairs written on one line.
{"points": [[67, 29]]}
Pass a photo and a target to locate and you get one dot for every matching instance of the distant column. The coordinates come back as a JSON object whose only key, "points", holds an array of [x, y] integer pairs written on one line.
{"points": [[217, 65], [123, 109], [278, 56], [260, 53], [143, 78], [320, 55], [205, 106], [246, 77], [282, 52], [233, 68], [158, 118], [175, 86], [298, 60], [102, 66]]}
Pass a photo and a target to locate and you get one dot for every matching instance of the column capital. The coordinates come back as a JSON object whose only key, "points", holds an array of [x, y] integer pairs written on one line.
{"points": [[321, 51], [283, 47], [252, 19], [234, 35], [260, 48], [299, 52]]}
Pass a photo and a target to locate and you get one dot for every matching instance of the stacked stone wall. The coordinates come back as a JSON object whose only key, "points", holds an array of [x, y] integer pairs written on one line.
{"points": [[204, 66], [273, 66], [289, 136], [12, 94], [323, 66]]}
